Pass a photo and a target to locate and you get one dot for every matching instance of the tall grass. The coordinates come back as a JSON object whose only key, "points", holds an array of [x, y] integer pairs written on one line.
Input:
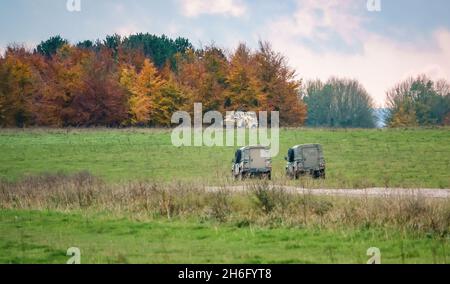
{"points": [[264, 204]]}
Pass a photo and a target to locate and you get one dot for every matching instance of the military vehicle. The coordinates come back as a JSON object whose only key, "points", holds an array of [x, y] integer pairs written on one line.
{"points": [[242, 119], [305, 160], [252, 161]]}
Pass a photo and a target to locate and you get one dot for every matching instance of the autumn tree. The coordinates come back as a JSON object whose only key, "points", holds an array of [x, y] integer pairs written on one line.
{"points": [[405, 116], [145, 91], [421, 97], [203, 74], [100, 100], [61, 81], [170, 99], [243, 92], [189, 73], [80, 87], [16, 87], [214, 84], [132, 58], [279, 86]]}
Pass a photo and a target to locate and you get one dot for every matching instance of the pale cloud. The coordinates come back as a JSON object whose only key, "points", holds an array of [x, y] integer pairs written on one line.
{"points": [[194, 8], [118, 8], [380, 63], [320, 19], [172, 29]]}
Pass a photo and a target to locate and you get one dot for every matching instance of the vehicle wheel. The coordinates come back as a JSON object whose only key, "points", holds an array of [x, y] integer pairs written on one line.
{"points": [[315, 174], [289, 176]]}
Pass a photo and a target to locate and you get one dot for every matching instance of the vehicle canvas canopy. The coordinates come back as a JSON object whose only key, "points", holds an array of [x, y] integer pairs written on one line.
{"points": [[255, 155], [310, 153]]}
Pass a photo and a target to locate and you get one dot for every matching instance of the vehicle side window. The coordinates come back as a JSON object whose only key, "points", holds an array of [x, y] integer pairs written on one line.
{"points": [[238, 156], [291, 155]]}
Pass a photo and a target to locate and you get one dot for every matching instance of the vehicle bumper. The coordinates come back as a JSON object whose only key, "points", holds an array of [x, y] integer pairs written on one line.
{"points": [[258, 171]]}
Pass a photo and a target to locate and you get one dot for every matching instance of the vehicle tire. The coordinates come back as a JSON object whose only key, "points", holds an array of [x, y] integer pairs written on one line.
{"points": [[238, 177], [289, 175], [316, 174]]}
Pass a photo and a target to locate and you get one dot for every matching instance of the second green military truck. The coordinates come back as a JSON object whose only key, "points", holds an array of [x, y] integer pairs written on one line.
{"points": [[305, 160], [252, 161]]}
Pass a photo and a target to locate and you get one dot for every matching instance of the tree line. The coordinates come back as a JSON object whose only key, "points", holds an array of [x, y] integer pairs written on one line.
{"points": [[415, 102], [340, 103], [418, 101], [142, 79]]}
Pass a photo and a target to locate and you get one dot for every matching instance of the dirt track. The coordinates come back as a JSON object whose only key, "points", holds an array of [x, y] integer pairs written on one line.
{"points": [[369, 192]]}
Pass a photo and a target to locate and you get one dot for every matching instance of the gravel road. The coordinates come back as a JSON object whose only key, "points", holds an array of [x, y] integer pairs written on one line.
{"points": [[369, 192]]}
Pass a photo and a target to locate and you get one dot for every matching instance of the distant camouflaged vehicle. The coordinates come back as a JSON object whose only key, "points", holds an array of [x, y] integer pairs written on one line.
{"points": [[242, 119], [305, 160], [252, 161]]}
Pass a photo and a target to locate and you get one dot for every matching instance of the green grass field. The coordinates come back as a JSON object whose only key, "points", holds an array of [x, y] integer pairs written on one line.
{"points": [[148, 206], [355, 158], [44, 237]]}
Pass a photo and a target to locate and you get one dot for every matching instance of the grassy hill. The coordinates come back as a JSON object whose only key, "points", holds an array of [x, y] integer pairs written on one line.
{"points": [[355, 158]]}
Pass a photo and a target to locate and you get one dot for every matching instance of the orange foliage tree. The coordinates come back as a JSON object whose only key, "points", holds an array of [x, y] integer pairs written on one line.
{"points": [[143, 89], [279, 86], [244, 90], [114, 83], [16, 88]]}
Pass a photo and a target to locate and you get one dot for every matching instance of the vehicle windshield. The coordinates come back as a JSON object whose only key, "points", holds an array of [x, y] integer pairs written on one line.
{"points": [[291, 155], [238, 156]]}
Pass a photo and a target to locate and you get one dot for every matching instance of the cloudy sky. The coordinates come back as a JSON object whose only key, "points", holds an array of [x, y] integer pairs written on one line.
{"points": [[320, 38]]}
